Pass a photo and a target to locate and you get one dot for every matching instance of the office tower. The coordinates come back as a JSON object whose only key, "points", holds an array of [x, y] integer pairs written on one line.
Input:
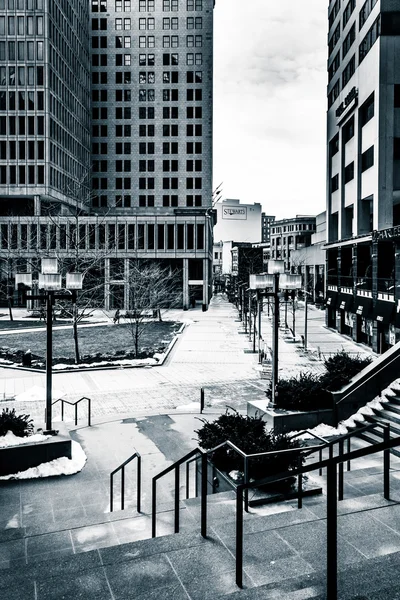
{"points": [[363, 170], [44, 105], [144, 189]]}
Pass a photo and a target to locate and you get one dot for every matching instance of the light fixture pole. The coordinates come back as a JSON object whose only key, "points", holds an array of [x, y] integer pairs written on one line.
{"points": [[50, 282]]}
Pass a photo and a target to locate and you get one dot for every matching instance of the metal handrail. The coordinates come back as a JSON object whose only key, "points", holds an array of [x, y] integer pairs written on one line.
{"points": [[175, 467], [75, 404], [331, 465], [138, 483]]}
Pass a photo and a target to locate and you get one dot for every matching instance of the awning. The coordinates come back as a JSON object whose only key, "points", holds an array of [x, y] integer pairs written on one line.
{"points": [[363, 306], [383, 311], [331, 298], [345, 302]]}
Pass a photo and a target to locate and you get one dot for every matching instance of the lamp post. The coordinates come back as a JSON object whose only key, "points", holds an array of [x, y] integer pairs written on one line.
{"points": [[275, 279], [50, 281]]}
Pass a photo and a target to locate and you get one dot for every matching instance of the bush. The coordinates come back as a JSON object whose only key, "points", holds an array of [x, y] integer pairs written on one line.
{"points": [[20, 425], [249, 435], [307, 392], [341, 368]]}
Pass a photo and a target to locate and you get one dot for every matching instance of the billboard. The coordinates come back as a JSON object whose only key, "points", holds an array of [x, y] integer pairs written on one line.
{"points": [[234, 213]]}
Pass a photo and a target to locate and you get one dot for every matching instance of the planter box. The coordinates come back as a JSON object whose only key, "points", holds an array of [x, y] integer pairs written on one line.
{"points": [[20, 458], [283, 421]]}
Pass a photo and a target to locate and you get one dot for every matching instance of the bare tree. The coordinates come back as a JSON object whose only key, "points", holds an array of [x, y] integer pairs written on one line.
{"points": [[152, 289]]}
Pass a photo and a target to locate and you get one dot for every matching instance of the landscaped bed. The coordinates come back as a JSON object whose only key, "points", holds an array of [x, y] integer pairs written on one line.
{"points": [[98, 344]]}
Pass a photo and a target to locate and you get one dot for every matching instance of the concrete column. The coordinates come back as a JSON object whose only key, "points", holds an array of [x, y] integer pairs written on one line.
{"points": [[375, 341], [36, 206], [126, 283], [205, 282], [185, 290], [107, 283], [397, 270], [357, 318]]}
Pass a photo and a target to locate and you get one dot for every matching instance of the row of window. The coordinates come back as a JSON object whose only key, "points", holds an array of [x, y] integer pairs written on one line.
{"points": [[144, 148], [101, 60], [125, 95], [125, 112], [21, 51], [367, 161], [144, 5], [146, 183], [101, 166], [21, 125], [21, 76], [126, 130], [22, 100], [192, 41], [22, 150], [22, 25], [22, 4], [21, 174], [124, 236], [125, 200]]}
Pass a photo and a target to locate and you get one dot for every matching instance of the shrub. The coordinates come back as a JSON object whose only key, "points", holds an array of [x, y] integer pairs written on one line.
{"points": [[303, 393], [341, 368], [249, 435], [20, 425]]}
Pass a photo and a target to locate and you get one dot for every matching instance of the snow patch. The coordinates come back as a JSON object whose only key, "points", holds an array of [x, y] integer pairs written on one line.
{"points": [[59, 466], [10, 439]]}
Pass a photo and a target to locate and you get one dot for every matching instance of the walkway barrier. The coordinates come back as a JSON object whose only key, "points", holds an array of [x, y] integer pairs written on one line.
{"points": [[138, 482], [75, 404]]}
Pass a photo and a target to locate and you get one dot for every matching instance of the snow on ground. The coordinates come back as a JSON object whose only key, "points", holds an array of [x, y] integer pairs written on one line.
{"points": [[324, 430], [8, 440], [60, 466], [37, 393]]}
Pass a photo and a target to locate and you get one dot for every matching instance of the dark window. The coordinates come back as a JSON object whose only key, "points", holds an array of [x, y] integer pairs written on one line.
{"points": [[349, 172], [348, 130], [349, 40], [348, 11], [366, 11], [367, 159], [349, 70], [367, 110], [334, 146], [334, 183], [369, 40]]}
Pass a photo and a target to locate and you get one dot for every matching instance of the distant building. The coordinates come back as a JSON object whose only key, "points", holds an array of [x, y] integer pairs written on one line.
{"points": [[310, 261], [236, 221], [291, 234], [266, 222]]}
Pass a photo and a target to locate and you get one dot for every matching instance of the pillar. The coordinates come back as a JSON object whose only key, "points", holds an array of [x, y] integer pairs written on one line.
{"points": [[107, 283], [126, 284], [357, 318], [185, 278], [374, 256], [36, 206], [205, 283]]}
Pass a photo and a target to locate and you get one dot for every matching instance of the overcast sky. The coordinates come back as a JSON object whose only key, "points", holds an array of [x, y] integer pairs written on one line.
{"points": [[270, 103]]}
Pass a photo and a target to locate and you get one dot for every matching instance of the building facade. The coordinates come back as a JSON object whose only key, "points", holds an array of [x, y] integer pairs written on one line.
{"points": [[310, 262], [236, 221], [363, 170], [266, 223], [119, 109], [288, 235]]}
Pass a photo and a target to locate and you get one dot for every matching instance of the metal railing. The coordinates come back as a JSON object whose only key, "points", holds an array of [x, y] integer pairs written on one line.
{"points": [[196, 453], [75, 404], [138, 483], [332, 496]]}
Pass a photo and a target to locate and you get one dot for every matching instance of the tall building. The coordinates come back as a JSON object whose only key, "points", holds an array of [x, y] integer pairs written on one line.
{"points": [[288, 235], [44, 104], [266, 224], [363, 170], [142, 189]]}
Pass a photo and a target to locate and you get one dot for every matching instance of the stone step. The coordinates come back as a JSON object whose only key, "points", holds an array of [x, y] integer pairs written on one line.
{"points": [[388, 414], [377, 418]]}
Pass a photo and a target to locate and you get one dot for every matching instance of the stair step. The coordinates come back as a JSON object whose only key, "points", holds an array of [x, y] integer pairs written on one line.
{"points": [[392, 407], [388, 414], [377, 418]]}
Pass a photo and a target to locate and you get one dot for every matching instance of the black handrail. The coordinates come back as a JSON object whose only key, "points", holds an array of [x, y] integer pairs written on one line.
{"points": [[138, 484], [75, 404], [175, 466], [331, 465]]}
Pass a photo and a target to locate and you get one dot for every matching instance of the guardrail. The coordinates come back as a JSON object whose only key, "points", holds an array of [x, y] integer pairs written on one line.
{"points": [[75, 404], [138, 482]]}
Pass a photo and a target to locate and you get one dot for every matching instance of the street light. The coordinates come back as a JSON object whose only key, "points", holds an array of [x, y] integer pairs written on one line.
{"points": [[275, 279], [50, 281]]}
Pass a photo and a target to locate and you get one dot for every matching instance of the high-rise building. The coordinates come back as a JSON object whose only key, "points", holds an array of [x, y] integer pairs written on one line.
{"points": [[363, 170], [44, 104], [134, 160]]}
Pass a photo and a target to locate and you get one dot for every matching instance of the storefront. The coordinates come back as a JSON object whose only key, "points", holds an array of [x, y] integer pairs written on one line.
{"points": [[345, 320], [363, 320], [383, 314], [331, 303]]}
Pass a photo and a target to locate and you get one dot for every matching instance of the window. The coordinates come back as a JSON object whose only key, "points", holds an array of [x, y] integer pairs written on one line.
{"points": [[334, 39], [369, 40], [348, 12], [366, 11], [334, 183], [334, 94], [349, 172], [349, 40], [334, 13], [367, 110], [334, 146], [334, 66], [349, 70], [367, 159], [122, 201]]}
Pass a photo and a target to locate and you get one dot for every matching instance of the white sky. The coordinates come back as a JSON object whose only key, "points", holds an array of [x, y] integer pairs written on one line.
{"points": [[270, 103]]}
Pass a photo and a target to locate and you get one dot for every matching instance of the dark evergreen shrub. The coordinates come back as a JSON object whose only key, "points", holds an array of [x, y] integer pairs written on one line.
{"points": [[249, 434], [341, 368], [20, 425], [306, 392]]}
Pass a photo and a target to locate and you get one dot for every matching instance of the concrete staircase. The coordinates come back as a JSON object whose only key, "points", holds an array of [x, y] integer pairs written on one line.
{"points": [[388, 415], [284, 550]]}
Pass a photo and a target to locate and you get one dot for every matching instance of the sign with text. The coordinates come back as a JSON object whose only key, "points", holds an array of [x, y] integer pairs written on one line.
{"points": [[238, 213]]}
